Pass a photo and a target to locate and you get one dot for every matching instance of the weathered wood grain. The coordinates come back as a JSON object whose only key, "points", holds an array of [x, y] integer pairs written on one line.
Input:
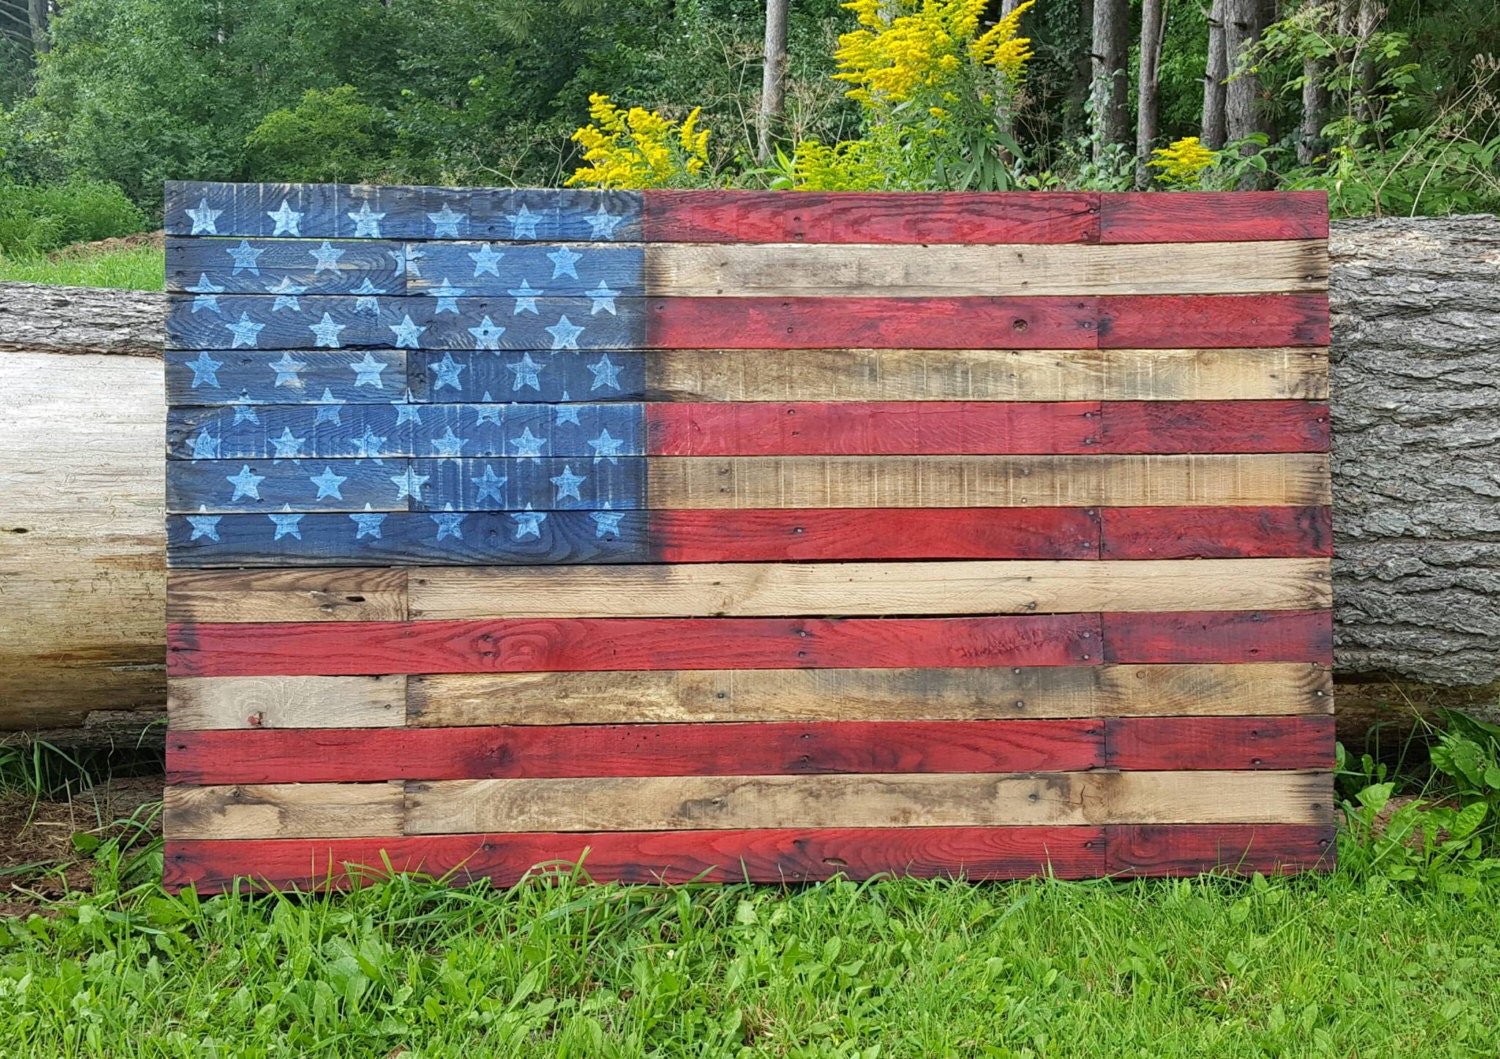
{"points": [[283, 810], [1188, 849], [872, 589], [779, 270], [208, 703], [1214, 532], [354, 594], [543, 645], [1253, 742], [1213, 426], [1144, 217], [1212, 320], [767, 856], [951, 800], [287, 268], [1220, 636], [276, 377], [357, 755]]}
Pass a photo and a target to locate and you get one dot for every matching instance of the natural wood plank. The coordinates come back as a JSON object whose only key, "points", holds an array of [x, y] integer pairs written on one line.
{"points": [[329, 594], [1190, 849], [758, 589], [1295, 479], [987, 375], [203, 703], [767, 856], [440, 699], [952, 800], [358, 755], [283, 810], [781, 270], [551, 644]]}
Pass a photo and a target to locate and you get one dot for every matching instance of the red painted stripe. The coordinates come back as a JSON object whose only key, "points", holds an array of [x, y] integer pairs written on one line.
{"points": [[874, 533], [872, 323], [1188, 849], [878, 217], [1219, 636], [1167, 743], [771, 856], [1232, 216], [1211, 426], [874, 428], [1216, 532], [1212, 321], [363, 755], [558, 644]]}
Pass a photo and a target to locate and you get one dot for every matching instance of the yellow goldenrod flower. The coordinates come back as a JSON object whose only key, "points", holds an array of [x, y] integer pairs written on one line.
{"points": [[638, 148], [1183, 161]]}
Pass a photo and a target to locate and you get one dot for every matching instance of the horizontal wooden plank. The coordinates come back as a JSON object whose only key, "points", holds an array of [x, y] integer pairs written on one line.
{"points": [[949, 800], [872, 428], [870, 217], [748, 270], [523, 273], [1188, 849], [250, 378], [283, 810], [767, 856], [872, 533], [1215, 532], [1274, 480], [535, 375], [208, 703], [984, 375], [1261, 742], [409, 538], [355, 755], [1151, 217], [876, 322], [325, 594], [1212, 426], [532, 645], [855, 589], [1210, 636], [865, 694], [364, 211], [287, 268], [1212, 320]]}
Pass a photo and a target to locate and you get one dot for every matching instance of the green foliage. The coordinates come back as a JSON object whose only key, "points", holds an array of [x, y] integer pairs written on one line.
{"points": [[330, 136], [37, 218], [1467, 753], [130, 268]]}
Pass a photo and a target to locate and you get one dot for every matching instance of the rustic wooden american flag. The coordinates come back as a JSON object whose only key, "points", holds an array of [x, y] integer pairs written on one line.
{"points": [[738, 535]]}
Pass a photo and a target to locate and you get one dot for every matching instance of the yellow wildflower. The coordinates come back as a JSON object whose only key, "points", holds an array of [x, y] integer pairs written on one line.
{"points": [[1183, 161], [638, 148]]}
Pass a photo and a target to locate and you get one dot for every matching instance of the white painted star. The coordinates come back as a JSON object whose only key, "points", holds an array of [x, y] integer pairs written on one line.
{"points": [[448, 371], [450, 445], [245, 413], [365, 301], [564, 333], [327, 332], [604, 299], [245, 331], [567, 483], [288, 221], [286, 370], [205, 291], [606, 373], [528, 446], [410, 484], [525, 296], [564, 262], [367, 446], [606, 447], [487, 334], [286, 295], [566, 413], [447, 296], [606, 522], [603, 223], [287, 446], [286, 523], [328, 408], [366, 222], [487, 412], [445, 222], [528, 522], [246, 483], [205, 446], [448, 522], [367, 372], [528, 373], [327, 257], [490, 484], [368, 522], [407, 410], [205, 369], [486, 260], [204, 525], [407, 333], [523, 223], [204, 223], [244, 258], [328, 484]]}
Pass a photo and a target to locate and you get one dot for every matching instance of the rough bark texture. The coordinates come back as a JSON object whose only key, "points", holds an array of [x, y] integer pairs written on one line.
{"points": [[1244, 111], [773, 79], [1416, 416], [1216, 71], [1416, 408], [1153, 25], [1111, 53]]}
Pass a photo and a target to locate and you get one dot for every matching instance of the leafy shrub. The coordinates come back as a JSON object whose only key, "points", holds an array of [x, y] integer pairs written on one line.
{"points": [[36, 218], [331, 135]]}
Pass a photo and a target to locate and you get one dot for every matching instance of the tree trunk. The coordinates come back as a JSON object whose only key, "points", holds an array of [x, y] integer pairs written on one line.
{"points": [[1111, 88], [1153, 26], [39, 12], [1370, 16], [1214, 75], [1315, 103], [1244, 22], [773, 79]]}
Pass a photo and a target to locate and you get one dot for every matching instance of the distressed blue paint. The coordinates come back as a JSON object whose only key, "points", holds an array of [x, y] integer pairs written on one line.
{"points": [[345, 211], [465, 484], [282, 261], [488, 537], [530, 376], [488, 269], [266, 486], [253, 322], [251, 377]]}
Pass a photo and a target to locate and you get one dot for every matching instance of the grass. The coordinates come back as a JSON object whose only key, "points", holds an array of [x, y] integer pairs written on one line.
{"points": [[1311, 966], [124, 268]]}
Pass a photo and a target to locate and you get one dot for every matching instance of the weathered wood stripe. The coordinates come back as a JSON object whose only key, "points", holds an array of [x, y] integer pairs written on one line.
{"points": [[1208, 636], [1214, 532], [543, 645], [1144, 217], [1189, 849]]}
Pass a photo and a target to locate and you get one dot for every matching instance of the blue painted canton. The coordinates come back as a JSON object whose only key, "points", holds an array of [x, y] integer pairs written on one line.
{"points": [[404, 375]]}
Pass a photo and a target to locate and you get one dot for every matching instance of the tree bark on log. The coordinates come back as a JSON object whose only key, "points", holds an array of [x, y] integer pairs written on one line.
{"points": [[1416, 475]]}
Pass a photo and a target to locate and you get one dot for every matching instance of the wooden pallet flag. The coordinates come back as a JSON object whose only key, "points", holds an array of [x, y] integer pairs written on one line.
{"points": [[740, 535]]}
